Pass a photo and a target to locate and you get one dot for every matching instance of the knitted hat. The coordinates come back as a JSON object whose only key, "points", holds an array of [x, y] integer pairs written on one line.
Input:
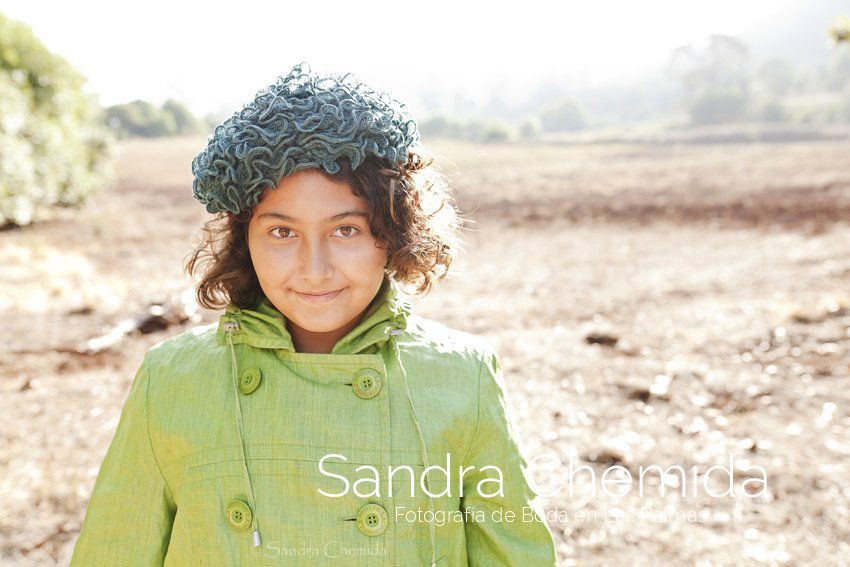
{"points": [[301, 121]]}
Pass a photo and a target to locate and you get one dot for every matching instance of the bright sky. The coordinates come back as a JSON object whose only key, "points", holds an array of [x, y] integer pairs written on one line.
{"points": [[212, 53]]}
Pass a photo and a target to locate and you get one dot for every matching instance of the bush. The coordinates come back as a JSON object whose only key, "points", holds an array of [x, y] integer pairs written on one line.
{"points": [[563, 116], [473, 130], [845, 106], [819, 110], [497, 132], [142, 119], [530, 128], [53, 150], [439, 126], [771, 110]]}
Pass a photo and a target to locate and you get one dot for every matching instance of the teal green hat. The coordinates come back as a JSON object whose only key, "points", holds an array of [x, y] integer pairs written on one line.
{"points": [[302, 121]]}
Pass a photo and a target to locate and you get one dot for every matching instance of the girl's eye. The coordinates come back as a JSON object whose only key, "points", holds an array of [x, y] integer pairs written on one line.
{"points": [[351, 231], [282, 229]]}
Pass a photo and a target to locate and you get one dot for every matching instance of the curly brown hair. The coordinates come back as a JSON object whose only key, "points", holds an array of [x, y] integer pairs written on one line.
{"points": [[411, 211]]}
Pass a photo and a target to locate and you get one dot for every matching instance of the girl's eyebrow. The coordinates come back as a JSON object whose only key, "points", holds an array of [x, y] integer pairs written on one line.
{"points": [[339, 216]]}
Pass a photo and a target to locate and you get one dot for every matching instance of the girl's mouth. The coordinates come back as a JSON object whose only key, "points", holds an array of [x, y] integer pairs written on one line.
{"points": [[319, 297]]}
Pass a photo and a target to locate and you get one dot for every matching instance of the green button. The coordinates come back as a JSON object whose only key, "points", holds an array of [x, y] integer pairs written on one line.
{"points": [[367, 383], [249, 380], [238, 515], [372, 519]]}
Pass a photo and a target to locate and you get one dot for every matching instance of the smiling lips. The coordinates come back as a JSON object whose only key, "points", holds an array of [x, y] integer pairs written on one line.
{"points": [[319, 297]]}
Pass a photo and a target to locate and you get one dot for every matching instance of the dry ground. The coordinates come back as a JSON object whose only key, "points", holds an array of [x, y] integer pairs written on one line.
{"points": [[653, 304]]}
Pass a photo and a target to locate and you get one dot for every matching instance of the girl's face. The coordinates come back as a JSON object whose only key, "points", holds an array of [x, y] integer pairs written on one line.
{"points": [[315, 257]]}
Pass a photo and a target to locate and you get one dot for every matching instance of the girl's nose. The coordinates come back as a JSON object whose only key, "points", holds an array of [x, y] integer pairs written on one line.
{"points": [[315, 263]]}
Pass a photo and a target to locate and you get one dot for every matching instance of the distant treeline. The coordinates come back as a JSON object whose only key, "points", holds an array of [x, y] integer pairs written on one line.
{"points": [[144, 119], [707, 82]]}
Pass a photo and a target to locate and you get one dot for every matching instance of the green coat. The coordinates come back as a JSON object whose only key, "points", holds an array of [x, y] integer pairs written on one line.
{"points": [[218, 454]]}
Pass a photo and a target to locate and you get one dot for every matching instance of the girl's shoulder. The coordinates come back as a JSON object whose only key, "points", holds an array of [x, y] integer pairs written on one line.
{"points": [[441, 341], [192, 345], [440, 334]]}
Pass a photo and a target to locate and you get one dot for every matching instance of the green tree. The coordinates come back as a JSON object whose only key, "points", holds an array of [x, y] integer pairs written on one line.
{"points": [[840, 33], [183, 117], [53, 149], [715, 79], [840, 29], [777, 76], [838, 70]]}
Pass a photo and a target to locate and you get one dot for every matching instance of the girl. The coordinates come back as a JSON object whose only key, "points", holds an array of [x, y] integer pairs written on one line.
{"points": [[300, 427]]}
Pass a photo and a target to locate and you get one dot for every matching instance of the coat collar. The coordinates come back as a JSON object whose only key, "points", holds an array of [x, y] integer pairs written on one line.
{"points": [[263, 326]]}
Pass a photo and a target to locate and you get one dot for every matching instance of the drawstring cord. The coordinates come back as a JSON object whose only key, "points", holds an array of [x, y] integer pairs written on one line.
{"points": [[254, 521], [423, 446]]}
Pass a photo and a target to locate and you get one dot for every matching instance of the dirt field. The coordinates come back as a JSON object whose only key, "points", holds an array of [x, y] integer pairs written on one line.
{"points": [[653, 304]]}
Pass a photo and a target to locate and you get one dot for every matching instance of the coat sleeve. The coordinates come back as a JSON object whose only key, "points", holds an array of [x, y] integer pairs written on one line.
{"points": [[131, 511], [525, 540]]}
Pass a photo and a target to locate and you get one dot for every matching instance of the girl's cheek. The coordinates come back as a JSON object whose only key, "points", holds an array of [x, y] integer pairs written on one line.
{"points": [[283, 255], [368, 253], [274, 257]]}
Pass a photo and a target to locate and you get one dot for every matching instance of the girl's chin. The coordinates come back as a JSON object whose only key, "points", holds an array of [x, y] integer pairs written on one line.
{"points": [[317, 321]]}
